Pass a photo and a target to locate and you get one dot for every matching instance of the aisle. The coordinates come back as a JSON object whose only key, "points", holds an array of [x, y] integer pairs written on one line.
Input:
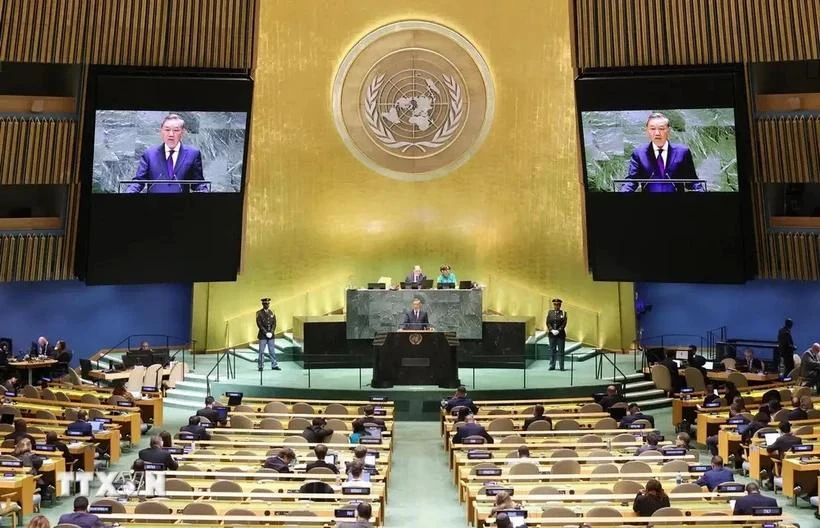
{"points": [[421, 492]]}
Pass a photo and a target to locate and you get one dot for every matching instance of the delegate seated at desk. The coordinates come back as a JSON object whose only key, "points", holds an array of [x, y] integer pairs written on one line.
{"points": [[415, 318]]}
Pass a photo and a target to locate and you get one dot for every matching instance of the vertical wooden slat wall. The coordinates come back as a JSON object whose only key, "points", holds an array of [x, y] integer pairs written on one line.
{"points": [[160, 33], [654, 32], [613, 33]]}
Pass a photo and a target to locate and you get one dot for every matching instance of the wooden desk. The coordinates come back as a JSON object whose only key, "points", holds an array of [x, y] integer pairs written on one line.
{"points": [[30, 366], [796, 473], [751, 377], [133, 520], [21, 486], [150, 408], [102, 375]]}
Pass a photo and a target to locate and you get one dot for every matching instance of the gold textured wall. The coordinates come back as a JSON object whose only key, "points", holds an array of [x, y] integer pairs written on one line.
{"points": [[316, 216]]}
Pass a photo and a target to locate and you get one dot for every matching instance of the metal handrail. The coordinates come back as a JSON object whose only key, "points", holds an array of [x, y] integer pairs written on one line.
{"points": [[599, 364], [231, 372]]}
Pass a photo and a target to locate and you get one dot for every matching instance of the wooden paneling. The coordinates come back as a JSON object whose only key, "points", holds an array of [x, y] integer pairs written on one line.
{"points": [[50, 223], [654, 32], [37, 151], [195, 33], [35, 257], [791, 102], [788, 149]]}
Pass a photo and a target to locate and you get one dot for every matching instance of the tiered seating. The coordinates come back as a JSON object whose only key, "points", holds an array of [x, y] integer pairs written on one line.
{"points": [[223, 479], [576, 476]]}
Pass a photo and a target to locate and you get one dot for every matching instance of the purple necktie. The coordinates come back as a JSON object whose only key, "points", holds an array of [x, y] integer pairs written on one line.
{"points": [[661, 175], [170, 163]]}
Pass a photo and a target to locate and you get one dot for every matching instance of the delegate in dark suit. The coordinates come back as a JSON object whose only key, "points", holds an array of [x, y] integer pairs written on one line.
{"points": [[200, 432], [157, 455], [415, 320], [154, 166], [744, 505], [644, 165], [471, 429], [80, 426], [785, 347]]}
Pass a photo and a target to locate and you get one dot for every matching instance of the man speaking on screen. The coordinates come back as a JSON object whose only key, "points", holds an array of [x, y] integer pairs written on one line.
{"points": [[169, 161], [660, 160]]}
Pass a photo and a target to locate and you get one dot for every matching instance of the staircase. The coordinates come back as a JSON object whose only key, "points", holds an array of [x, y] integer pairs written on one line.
{"points": [[188, 394], [286, 349], [577, 351], [641, 391]]}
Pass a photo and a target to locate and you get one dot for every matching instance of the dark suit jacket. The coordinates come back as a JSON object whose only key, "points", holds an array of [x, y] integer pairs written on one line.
{"points": [[374, 420], [279, 464], [156, 455], [411, 322], [461, 402], [48, 350], [411, 279], [630, 418], [744, 505], [321, 463], [532, 419], [557, 320], [679, 166], [81, 519], [316, 434], [199, 432], [81, 426], [154, 166], [608, 401], [743, 365], [784, 444], [471, 429], [785, 343], [208, 413], [265, 322], [672, 367]]}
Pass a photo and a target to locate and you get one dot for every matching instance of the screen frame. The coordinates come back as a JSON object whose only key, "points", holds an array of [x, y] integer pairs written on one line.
{"points": [[686, 87]]}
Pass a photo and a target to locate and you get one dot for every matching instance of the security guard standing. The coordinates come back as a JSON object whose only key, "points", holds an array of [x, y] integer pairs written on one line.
{"points": [[266, 323], [556, 325]]}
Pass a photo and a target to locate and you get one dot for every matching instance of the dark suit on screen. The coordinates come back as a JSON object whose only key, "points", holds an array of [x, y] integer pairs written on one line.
{"points": [[154, 166], [644, 166], [412, 320]]}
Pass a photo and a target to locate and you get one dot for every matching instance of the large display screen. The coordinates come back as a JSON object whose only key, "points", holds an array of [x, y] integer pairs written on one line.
{"points": [[164, 165], [660, 150], [666, 162], [146, 151]]}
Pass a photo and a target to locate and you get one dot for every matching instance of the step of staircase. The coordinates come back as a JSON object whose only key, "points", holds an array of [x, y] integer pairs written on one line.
{"points": [[189, 393], [655, 403], [628, 378], [643, 394], [171, 401], [635, 385], [583, 353], [192, 385]]}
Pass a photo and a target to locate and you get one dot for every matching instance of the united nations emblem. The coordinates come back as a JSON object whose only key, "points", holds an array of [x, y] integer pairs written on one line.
{"points": [[415, 339], [413, 100]]}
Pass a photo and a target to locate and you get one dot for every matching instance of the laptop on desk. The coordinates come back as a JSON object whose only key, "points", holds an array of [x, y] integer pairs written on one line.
{"points": [[771, 438]]}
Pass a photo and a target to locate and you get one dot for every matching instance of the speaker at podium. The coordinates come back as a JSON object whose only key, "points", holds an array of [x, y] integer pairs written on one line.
{"points": [[415, 357]]}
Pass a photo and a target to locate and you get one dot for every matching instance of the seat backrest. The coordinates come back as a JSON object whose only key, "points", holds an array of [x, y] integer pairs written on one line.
{"points": [[694, 379], [90, 398], [243, 409], [475, 439], [298, 424], [44, 414], [70, 413], [524, 468], [686, 487], [501, 424], [295, 439], [591, 408], [176, 374], [240, 511], [199, 508], [61, 396], [226, 485], [239, 421], [598, 491], [321, 470], [627, 487], [30, 391], [651, 452], [271, 423], [337, 424], [151, 377], [729, 363], [338, 438], [557, 512], [302, 408], [603, 511], [668, 512], [154, 507], [276, 407], [566, 425], [661, 377], [482, 465], [544, 490], [177, 484], [635, 466], [48, 394], [336, 408], [564, 453], [566, 467], [605, 469], [780, 415], [606, 423], [590, 439], [675, 466], [738, 379], [540, 425], [513, 439], [624, 438], [135, 377]]}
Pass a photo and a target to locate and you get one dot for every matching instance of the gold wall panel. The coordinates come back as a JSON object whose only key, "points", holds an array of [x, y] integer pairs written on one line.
{"points": [[316, 216], [652, 32]]}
